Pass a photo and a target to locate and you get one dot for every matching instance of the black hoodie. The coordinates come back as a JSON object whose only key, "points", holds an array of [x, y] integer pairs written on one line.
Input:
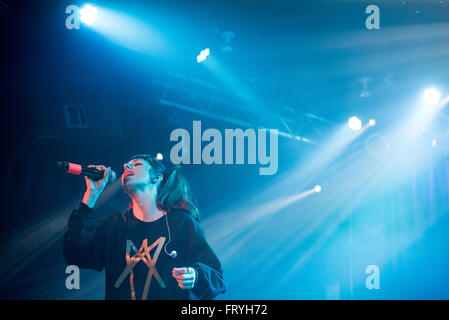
{"points": [[132, 253]]}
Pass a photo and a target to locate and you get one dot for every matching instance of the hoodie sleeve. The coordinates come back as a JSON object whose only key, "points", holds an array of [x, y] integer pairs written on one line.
{"points": [[83, 244], [209, 273]]}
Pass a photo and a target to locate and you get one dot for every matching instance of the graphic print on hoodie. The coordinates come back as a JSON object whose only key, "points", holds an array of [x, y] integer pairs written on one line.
{"points": [[132, 254]]}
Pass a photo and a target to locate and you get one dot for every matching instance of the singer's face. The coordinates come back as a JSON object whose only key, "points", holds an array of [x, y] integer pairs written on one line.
{"points": [[136, 175]]}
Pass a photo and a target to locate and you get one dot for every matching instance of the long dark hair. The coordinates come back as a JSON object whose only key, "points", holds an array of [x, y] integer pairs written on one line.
{"points": [[174, 191]]}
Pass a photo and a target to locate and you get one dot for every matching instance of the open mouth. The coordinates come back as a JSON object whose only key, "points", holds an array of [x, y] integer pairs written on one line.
{"points": [[128, 174]]}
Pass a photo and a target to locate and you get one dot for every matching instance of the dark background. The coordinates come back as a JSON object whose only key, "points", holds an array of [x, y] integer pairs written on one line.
{"points": [[296, 58]]}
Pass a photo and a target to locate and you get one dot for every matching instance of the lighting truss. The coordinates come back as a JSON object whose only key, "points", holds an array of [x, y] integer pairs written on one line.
{"points": [[206, 99]]}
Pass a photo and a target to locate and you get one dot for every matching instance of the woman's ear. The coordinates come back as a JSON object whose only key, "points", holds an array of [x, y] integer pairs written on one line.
{"points": [[158, 178]]}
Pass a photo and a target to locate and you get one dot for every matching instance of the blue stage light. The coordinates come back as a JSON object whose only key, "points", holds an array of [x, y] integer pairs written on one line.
{"points": [[88, 14], [203, 55], [431, 96], [434, 143], [354, 123]]}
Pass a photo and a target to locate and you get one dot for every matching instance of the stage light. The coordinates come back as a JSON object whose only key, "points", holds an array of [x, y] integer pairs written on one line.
{"points": [[200, 58], [354, 123], [205, 52], [159, 156], [372, 123], [431, 96], [203, 55], [317, 188], [88, 14], [434, 143]]}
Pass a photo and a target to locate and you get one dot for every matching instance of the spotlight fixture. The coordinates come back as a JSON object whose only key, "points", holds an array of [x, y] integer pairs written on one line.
{"points": [[354, 123], [431, 96], [203, 55], [88, 14]]}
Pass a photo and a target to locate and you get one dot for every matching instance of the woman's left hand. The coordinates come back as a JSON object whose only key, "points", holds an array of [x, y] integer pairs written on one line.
{"points": [[185, 276]]}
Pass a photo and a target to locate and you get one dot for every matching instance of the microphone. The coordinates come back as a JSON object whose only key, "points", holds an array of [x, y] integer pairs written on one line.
{"points": [[92, 173], [173, 254]]}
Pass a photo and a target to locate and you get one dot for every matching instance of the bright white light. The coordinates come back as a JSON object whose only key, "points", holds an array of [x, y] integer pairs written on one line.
{"points": [[317, 188], [434, 143], [205, 52], [372, 122], [431, 96], [354, 123], [200, 58], [159, 156], [88, 14], [203, 55]]}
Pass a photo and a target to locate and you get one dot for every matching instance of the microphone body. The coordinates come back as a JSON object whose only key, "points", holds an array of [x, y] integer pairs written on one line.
{"points": [[92, 173], [173, 254]]}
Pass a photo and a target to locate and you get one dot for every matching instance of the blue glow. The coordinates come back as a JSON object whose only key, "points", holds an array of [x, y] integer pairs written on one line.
{"points": [[431, 96], [88, 14], [203, 55], [128, 31], [355, 123]]}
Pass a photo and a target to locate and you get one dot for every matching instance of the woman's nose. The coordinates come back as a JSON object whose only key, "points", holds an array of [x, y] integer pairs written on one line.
{"points": [[127, 166]]}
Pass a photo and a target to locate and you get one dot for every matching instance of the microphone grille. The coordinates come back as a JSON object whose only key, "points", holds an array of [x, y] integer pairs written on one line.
{"points": [[111, 176]]}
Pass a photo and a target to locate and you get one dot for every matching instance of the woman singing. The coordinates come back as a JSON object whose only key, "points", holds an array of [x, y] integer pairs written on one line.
{"points": [[154, 250]]}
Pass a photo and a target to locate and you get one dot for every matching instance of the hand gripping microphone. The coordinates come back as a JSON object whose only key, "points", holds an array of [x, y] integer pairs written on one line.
{"points": [[92, 173]]}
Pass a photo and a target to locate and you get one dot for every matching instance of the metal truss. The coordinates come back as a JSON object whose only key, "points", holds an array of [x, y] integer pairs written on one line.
{"points": [[196, 96]]}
